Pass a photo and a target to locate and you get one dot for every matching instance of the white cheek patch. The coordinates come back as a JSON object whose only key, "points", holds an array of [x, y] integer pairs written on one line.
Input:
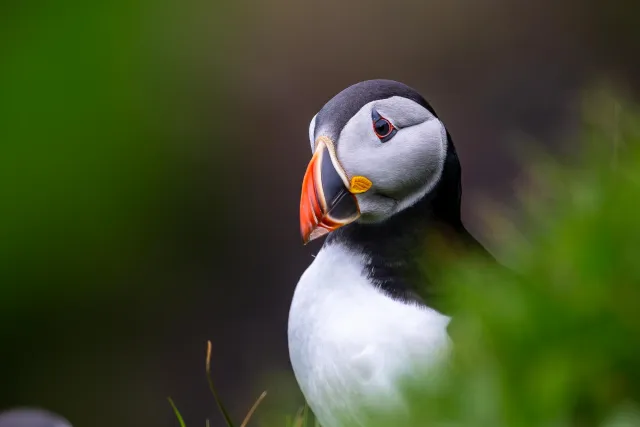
{"points": [[312, 131]]}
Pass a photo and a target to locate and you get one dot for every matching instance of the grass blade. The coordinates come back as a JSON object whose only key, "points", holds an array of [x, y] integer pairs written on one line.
{"points": [[299, 420], [305, 415], [175, 411], [223, 411], [253, 409]]}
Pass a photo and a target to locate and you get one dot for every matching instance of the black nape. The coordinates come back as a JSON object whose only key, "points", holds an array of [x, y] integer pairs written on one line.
{"points": [[405, 251]]}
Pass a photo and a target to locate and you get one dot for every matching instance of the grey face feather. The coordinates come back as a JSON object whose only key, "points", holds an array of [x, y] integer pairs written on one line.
{"points": [[403, 169]]}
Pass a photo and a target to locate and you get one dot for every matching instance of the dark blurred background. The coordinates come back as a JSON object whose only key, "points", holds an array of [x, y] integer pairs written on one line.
{"points": [[151, 154]]}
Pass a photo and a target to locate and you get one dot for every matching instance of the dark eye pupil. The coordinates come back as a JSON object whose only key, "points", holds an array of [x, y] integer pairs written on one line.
{"points": [[382, 127]]}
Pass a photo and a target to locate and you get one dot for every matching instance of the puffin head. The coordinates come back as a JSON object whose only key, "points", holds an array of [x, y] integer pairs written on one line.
{"points": [[378, 149]]}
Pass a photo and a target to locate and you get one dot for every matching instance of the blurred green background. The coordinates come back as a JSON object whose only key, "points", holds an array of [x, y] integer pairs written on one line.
{"points": [[150, 162]]}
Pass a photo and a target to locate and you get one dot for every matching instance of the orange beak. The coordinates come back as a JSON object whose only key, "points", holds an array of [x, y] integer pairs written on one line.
{"points": [[326, 203]]}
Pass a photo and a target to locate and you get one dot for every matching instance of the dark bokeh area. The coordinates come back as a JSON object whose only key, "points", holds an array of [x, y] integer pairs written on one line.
{"points": [[151, 158]]}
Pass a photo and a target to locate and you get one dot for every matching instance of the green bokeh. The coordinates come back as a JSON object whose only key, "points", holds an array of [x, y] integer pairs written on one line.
{"points": [[88, 117], [93, 100]]}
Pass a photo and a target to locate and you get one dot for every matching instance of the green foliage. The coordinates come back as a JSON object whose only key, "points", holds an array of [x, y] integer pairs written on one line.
{"points": [[562, 345]]}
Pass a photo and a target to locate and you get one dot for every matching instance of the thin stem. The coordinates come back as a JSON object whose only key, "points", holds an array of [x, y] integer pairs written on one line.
{"points": [[223, 411], [175, 411], [253, 409]]}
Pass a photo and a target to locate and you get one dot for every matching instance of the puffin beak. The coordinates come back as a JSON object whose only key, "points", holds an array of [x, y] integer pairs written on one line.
{"points": [[326, 203]]}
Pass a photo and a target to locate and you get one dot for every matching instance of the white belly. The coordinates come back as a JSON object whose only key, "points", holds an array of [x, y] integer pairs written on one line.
{"points": [[350, 344]]}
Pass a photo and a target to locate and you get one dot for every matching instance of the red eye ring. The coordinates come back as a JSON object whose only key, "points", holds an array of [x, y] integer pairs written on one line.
{"points": [[383, 127]]}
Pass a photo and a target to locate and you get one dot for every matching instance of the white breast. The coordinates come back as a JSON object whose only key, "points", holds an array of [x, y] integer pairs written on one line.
{"points": [[349, 343]]}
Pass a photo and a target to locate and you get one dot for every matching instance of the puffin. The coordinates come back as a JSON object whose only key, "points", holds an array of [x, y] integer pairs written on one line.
{"points": [[384, 187]]}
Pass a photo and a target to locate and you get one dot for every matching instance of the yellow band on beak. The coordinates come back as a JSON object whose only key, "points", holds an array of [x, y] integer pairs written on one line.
{"points": [[359, 184]]}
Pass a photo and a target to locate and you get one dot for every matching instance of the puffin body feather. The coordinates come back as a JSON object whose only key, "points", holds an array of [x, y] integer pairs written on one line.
{"points": [[350, 344]]}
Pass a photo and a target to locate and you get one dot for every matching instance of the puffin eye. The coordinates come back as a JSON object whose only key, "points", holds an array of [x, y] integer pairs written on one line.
{"points": [[382, 127]]}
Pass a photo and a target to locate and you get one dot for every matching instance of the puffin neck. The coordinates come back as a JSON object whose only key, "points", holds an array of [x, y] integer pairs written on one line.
{"points": [[395, 248]]}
